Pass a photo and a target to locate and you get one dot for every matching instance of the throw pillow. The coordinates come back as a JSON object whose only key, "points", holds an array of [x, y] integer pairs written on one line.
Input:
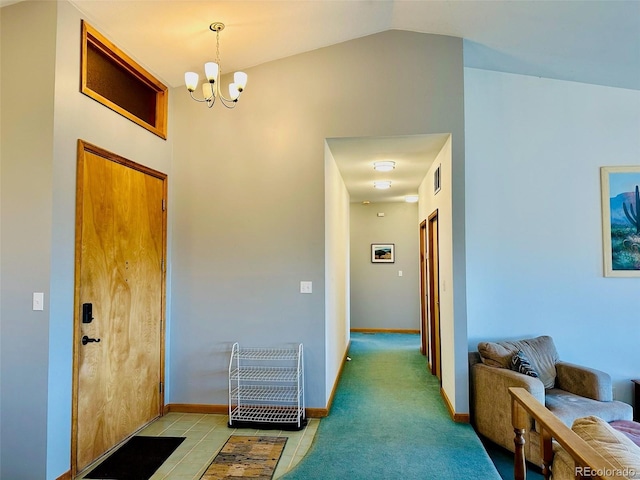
{"points": [[540, 351], [495, 354], [612, 445], [543, 356], [520, 363]]}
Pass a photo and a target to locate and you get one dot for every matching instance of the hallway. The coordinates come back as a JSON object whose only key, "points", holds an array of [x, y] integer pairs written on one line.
{"points": [[388, 421]]}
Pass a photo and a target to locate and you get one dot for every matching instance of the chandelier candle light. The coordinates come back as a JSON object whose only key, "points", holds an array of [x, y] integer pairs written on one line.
{"points": [[211, 88]]}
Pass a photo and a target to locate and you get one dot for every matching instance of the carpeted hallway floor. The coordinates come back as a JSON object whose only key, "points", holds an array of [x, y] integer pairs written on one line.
{"points": [[388, 421]]}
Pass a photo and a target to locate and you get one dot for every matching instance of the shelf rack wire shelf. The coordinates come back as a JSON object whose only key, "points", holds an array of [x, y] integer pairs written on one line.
{"points": [[266, 388]]}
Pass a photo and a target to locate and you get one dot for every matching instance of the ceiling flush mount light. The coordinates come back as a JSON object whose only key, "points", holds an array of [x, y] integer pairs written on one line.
{"points": [[411, 198], [384, 166], [382, 184], [211, 88]]}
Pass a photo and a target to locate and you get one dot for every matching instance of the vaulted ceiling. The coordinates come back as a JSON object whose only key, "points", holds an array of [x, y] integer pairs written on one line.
{"points": [[585, 41]]}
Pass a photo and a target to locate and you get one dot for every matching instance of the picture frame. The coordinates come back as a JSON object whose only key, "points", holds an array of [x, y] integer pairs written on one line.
{"points": [[383, 253], [620, 188]]}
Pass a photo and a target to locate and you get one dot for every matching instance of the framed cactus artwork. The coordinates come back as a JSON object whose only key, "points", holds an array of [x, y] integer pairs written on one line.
{"points": [[620, 188]]}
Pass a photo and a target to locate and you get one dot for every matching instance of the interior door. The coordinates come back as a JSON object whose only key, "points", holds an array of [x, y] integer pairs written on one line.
{"points": [[120, 290], [424, 332], [434, 296]]}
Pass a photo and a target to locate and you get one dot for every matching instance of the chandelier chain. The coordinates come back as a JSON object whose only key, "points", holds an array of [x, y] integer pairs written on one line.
{"points": [[218, 48]]}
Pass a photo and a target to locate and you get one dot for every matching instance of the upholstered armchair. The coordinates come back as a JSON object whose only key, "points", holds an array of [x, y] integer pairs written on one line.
{"points": [[569, 391]]}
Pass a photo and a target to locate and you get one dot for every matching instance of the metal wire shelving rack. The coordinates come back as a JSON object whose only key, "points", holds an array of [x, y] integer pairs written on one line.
{"points": [[266, 388]]}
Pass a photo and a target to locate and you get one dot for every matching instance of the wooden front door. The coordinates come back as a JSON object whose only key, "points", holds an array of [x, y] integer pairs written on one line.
{"points": [[434, 296], [119, 297]]}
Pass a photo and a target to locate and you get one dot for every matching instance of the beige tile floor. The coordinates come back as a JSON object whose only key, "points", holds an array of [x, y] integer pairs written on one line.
{"points": [[205, 436]]}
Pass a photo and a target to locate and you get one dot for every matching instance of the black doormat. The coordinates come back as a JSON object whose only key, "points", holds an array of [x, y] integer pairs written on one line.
{"points": [[137, 459]]}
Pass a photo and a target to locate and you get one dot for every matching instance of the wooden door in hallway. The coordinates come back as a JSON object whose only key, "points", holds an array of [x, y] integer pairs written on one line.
{"points": [[118, 362], [424, 329], [434, 296]]}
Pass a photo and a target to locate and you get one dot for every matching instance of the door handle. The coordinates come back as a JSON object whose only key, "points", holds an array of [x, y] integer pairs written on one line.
{"points": [[86, 340]]}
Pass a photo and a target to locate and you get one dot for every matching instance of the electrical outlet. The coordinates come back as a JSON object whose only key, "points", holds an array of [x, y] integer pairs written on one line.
{"points": [[306, 287]]}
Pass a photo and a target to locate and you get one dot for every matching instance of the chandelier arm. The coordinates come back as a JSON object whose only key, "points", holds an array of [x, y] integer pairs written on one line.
{"points": [[227, 100], [197, 99], [228, 103], [208, 101]]}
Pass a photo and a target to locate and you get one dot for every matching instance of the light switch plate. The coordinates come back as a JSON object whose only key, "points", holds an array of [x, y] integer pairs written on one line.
{"points": [[306, 287], [38, 300]]}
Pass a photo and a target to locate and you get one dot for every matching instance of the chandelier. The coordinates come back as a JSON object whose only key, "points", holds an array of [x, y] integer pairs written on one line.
{"points": [[211, 88]]}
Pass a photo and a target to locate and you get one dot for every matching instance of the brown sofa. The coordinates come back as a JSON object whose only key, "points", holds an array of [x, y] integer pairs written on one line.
{"points": [[569, 391]]}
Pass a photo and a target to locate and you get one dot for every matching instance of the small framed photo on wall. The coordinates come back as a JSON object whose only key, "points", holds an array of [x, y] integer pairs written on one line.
{"points": [[383, 253]]}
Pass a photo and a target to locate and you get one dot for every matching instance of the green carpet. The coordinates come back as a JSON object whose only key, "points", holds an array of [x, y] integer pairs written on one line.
{"points": [[388, 421], [503, 460]]}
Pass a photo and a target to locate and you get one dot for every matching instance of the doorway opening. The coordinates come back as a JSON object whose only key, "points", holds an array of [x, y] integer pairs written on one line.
{"points": [[434, 295]]}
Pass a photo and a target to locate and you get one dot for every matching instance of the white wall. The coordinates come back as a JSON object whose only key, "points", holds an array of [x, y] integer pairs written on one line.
{"points": [[453, 326], [336, 251], [26, 144], [534, 148], [380, 299], [77, 116], [39, 163], [250, 195]]}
